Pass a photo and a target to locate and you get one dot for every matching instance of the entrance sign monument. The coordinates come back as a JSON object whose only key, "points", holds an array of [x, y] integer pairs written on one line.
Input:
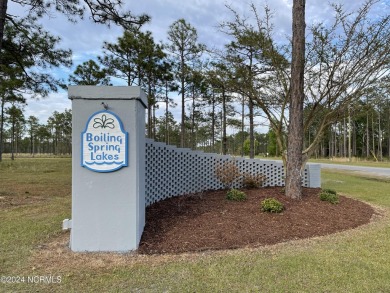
{"points": [[104, 143], [108, 168], [116, 172]]}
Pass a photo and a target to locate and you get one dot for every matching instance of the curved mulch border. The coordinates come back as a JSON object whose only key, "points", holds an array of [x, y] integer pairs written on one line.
{"points": [[207, 221]]}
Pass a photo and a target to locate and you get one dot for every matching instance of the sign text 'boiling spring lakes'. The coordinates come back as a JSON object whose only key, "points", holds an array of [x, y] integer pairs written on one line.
{"points": [[104, 143]]}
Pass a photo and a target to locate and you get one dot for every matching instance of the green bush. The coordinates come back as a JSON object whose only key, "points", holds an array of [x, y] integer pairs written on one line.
{"points": [[234, 194], [271, 205], [329, 195], [328, 190]]}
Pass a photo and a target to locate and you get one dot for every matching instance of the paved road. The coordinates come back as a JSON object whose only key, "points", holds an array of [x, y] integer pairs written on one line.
{"points": [[360, 169]]}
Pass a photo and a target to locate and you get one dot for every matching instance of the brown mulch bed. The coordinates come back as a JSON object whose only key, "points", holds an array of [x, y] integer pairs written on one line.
{"points": [[208, 221]]}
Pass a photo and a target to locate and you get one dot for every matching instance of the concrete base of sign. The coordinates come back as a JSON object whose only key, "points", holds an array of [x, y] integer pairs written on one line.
{"points": [[108, 208]]}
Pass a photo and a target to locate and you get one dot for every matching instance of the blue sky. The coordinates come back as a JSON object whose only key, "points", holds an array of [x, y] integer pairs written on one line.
{"points": [[86, 38]]}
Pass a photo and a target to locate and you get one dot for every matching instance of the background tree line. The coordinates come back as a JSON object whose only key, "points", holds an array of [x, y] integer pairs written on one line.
{"points": [[226, 93], [367, 132], [27, 135]]}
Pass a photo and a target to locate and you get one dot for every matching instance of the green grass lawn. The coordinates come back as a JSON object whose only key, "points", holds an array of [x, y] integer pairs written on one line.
{"points": [[351, 261], [365, 163], [342, 161]]}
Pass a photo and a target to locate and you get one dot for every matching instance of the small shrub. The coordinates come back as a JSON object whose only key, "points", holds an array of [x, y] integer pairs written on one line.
{"points": [[328, 190], [253, 181], [329, 195], [236, 195], [271, 205], [227, 172]]}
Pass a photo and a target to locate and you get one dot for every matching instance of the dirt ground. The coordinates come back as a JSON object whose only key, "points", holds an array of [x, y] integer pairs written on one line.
{"points": [[209, 221]]}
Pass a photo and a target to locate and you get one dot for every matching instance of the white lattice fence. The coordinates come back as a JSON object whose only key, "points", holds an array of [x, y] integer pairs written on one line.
{"points": [[172, 171]]}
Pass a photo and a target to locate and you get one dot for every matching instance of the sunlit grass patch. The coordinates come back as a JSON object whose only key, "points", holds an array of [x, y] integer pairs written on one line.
{"points": [[375, 190]]}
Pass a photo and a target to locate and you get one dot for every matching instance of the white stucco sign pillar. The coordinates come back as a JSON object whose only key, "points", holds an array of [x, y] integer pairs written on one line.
{"points": [[108, 168]]}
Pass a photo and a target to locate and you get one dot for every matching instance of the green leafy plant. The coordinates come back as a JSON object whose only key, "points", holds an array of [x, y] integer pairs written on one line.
{"points": [[271, 205], [236, 195], [253, 181], [328, 190], [329, 195]]}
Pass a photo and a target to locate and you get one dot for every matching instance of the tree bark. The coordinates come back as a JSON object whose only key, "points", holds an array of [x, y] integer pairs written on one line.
{"points": [[295, 133], [193, 139], [388, 133], [242, 125], [224, 136], [3, 14], [2, 128], [166, 113], [183, 107], [379, 137], [373, 134], [349, 137], [213, 124], [344, 138], [251, 130], [367, 138]]}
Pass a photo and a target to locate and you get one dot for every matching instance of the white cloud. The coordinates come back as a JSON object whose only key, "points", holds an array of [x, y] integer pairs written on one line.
{"points": [[44, 108]]}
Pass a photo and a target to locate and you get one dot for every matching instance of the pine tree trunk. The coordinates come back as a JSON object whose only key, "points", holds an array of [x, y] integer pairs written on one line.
{"points": [[367, 139], [193, 140], [251, 130], [242, 126], [373, 134], [330, 146], [224, 137], [213, 124], [349, 137], [379, 137], [13, 139], [3, 13], [183, 110], [344, 138], [388, 134], [2, 129], [166, 114], [295, 131]]}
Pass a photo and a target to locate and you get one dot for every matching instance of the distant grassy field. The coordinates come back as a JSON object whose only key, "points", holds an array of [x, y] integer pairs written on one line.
{"points": [[343, 161], [383, 164], [35, 196]]}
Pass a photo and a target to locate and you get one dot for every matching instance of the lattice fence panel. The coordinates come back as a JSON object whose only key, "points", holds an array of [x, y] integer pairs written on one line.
{"points": [[172, 171]]}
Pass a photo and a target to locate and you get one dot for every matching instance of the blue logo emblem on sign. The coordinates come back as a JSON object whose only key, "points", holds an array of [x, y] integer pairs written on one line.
{"points": [[104, 143]]}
